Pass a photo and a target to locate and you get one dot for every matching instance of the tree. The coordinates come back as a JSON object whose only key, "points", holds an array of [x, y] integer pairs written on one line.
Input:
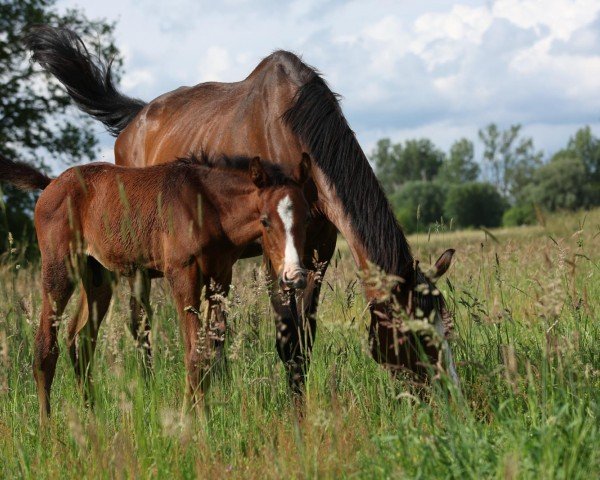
{"points": [[512, 158], [385, 158], [420, 160], [460, 165], [426, 198], [586, 146], [396, 164], [37, 118], [563, 183], [520, 214], [475, 204]]}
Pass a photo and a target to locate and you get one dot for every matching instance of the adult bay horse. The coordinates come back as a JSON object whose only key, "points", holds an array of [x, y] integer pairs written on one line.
{"points": [[98, 219], [283, 108]]}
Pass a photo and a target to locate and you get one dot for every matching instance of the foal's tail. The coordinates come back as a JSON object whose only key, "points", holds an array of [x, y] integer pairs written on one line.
{"points": [[87, 78], [22, 175]]}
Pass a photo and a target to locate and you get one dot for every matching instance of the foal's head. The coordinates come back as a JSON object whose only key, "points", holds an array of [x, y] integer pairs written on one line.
{"points": [[284, 215]]}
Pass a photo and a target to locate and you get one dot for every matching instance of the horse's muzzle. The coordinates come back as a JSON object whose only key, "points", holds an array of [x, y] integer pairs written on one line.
{"points": [[295, 280]]}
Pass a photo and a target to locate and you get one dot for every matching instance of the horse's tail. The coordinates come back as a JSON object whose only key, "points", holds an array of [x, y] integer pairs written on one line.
{"points": [[87, 78], [22, 175]]}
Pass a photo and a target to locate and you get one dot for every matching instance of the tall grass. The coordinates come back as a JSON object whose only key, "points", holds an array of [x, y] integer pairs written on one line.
{"points": [[527, 342]]}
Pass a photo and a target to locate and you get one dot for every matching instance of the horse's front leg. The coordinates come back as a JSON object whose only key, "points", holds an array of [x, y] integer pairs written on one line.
{"points": [[140, 322], [295, 312], [217, 291], [186, 285]]}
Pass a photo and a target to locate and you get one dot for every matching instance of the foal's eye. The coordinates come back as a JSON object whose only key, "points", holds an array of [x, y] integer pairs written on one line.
{"points": [[265, 221]]}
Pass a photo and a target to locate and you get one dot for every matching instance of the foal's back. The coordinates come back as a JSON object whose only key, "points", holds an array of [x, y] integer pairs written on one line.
{"points": [[109, 190], [118, 213]]}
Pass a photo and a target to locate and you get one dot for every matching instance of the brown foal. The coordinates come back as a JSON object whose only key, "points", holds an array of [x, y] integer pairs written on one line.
{"points": [[184, 220]]}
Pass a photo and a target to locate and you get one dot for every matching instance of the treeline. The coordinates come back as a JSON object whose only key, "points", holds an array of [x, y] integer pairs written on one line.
{"points": [[506, 185]]}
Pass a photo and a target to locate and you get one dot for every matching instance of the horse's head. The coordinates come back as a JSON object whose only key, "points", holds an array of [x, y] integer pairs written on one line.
{"points": [[284, 215], [426, 300], [414, 333]]}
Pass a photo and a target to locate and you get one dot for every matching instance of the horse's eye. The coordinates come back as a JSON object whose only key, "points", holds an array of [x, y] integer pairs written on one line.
{"points": [[265, 221]]}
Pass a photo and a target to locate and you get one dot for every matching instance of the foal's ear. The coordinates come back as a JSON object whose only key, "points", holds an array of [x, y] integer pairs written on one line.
{"points": [[443, 263], [258, 173], [305, 164]]}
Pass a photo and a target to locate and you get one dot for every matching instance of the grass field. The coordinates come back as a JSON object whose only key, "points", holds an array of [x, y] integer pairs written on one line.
{"points": [[527, 343]]}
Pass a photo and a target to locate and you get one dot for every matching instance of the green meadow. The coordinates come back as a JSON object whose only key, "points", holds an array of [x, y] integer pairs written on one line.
{"points": [[526, 305]]}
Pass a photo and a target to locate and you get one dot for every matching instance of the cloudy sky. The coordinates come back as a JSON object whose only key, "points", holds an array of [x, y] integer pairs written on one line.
{"points": [[405, 69]]}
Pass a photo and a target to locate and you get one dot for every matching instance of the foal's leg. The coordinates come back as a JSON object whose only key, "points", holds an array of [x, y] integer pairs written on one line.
{"points": [[82, 339], [217, 316], [78, 321], [295, 318], [140, 322], [186, 284], [57, 287]]}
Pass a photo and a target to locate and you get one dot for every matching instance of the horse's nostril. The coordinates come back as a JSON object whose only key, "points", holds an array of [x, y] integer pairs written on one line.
{"points": [[300, 279], [285, 281], [296, 280]]}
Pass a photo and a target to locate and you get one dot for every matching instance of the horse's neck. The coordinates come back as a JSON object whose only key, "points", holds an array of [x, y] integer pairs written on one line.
{"points": [[235, 199], [364, 254]]}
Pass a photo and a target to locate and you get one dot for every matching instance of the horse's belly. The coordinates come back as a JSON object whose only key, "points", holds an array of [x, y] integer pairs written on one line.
{"points": [[122, 264]]}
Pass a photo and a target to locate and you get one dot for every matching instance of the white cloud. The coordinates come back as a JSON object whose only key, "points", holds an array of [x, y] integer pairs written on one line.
{"points": [[404, 68], [134, 78], [214, 65], [443, 37], [561, 17]]}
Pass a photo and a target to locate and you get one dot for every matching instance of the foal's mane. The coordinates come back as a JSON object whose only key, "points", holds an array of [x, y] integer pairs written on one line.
{"points": [[238, 164]]}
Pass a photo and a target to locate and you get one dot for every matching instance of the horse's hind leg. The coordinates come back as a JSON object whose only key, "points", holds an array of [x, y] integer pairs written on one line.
{"points": [[57, 287], [83, 332], [140, 322], [295, 318]]}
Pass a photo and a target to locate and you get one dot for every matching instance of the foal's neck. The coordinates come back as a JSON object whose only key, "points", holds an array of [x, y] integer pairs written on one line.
{"points": [[236, 199]]}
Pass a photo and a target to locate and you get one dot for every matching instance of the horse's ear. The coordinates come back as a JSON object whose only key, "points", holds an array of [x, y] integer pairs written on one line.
{"points": [[305, 164], [258, 173], [443, 263]]}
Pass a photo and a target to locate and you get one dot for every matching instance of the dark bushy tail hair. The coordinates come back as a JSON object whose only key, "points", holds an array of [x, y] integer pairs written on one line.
{"points": [[22, 175], [87, 78]]}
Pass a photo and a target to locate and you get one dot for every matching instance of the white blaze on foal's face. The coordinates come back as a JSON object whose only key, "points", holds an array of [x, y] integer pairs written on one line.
{"points": [[291, 262]]}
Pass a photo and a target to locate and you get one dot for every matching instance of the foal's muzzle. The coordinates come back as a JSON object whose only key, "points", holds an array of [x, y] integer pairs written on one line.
{"points": [[297, 279]]}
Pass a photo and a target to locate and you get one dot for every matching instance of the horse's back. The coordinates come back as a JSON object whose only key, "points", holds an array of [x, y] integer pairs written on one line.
{"points": [[80, 185], [224, 118]]}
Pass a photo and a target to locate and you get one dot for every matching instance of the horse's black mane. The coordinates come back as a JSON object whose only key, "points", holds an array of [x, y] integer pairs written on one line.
{"points": [[238, 163], [316, 117]]}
